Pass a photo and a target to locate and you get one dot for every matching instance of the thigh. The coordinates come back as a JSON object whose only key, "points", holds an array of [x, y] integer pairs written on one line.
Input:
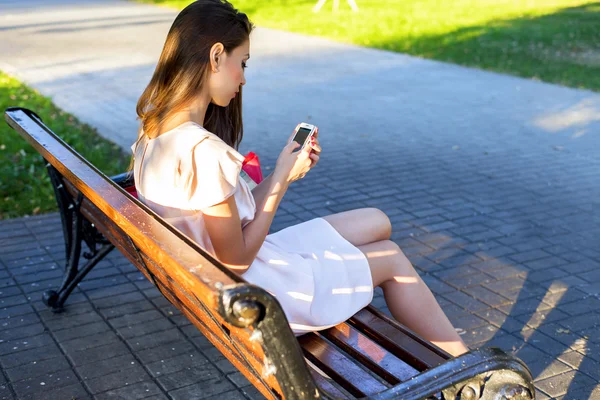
{"points": [[361, 226], [388, 263]]}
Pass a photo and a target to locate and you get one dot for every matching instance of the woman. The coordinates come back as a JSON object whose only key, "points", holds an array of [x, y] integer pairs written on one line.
{"points": [[187, 169]]}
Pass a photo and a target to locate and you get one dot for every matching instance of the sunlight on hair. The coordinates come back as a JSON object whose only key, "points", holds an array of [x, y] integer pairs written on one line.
{"points": [[579, 115]]}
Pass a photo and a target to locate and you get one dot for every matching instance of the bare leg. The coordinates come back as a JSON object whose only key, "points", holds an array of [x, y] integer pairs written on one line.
{"points": [[409, 299], [361, 226]]}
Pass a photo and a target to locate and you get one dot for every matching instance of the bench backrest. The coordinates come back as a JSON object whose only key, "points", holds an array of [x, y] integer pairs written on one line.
{"points": [[363, 356], [196, 283]]}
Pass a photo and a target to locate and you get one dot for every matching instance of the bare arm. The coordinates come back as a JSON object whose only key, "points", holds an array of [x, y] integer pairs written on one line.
{"points": [[262, 189], [236, 247], [233, 246]]}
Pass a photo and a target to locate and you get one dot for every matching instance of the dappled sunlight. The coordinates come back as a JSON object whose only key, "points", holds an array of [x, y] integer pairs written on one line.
{"points": [[357, 289], [278, 262], [381, 253], [406, 279], [535, 322], [328, 255], [300, 296], [578, 116]]}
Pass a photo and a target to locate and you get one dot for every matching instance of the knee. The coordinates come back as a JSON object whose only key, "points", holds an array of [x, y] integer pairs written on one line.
{"points": [[401, 263], [382, 222]]}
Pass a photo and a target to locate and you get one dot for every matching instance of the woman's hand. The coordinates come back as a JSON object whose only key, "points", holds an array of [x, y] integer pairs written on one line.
{"points": [[292, 166], [316, 149]]}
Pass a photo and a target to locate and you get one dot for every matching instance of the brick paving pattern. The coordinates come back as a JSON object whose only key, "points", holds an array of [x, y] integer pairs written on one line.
{"points": [[491, 183]]}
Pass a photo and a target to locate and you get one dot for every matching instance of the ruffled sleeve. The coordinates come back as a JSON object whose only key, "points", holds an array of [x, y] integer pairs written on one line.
{"points": [[210, 174]]}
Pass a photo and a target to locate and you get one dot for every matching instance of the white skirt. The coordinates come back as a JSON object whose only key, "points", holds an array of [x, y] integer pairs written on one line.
{"points": [[319, 278]]}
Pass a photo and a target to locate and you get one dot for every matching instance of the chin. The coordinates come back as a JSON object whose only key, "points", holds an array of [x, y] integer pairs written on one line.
{"points": [[221, 103]]}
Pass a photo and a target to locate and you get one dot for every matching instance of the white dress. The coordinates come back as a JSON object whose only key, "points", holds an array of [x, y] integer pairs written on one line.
{"points": [[319, 278]]}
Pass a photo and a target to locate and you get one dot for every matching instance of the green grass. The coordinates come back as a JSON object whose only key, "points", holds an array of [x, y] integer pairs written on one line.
{"points": [[551, 40], [24, 184]]}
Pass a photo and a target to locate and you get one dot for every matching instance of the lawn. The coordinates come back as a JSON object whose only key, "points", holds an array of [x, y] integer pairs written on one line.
{"points": [[24, 184], [551, 40]]}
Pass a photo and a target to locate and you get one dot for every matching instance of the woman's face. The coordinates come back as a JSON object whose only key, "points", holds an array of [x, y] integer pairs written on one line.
{"points": [[225, 84]]}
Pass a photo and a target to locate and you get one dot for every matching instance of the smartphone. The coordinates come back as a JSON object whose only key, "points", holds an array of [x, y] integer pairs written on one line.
{"points": [[303, 134]]}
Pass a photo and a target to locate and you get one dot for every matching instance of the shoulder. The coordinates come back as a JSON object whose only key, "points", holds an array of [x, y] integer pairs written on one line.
{"points": [[199, 141]]}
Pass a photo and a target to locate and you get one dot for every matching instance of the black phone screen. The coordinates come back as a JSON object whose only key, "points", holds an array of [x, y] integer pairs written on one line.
{"points": [[301, 135]]}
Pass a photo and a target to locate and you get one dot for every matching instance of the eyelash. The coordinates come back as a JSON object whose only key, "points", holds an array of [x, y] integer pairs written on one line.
{"points": [[244, 66]]}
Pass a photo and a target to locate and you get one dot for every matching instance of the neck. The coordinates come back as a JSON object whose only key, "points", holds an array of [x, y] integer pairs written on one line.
{"points": [[195, 112]]}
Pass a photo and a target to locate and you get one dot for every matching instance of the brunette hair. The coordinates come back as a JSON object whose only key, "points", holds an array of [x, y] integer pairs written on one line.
{"points": [[184, 65]]}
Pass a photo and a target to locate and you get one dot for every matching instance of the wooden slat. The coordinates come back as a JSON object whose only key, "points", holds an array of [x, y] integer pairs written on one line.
{"points": [[339, 366], [393, 338], [326, 384], [370, 354]]}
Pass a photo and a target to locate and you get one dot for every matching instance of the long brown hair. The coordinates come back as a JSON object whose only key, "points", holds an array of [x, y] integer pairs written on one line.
{"points": [[184, 65]]}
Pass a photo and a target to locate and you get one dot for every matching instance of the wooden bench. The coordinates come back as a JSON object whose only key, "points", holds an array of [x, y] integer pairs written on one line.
{"points": [[368, 356]]}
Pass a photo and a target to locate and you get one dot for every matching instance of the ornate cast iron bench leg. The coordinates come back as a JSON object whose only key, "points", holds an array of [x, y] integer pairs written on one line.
{"points": [[76, 229]]}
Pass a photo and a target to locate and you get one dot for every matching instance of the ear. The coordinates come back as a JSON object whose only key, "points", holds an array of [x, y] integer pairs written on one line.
{"points": [[216, 54]]}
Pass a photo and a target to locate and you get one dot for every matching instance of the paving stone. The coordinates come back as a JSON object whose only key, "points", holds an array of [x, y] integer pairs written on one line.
{"points": [[38, 385], [466, 301], [117, 379], [183, 361], [6, 393], [20, 344], [189, 376], [119, 302], [238, 379], [66, 320], [155, 339], [144, 328], [252, 393], [12, 301], [75, 391], [135, 317], [49, 350], [577, 360], [481, 335], [106, 366], [81, 331], [89, 341], [487, 296], [165, 351], [111, 291], [542, 317], [140, 390], [559, 384], [500, 320], [467, 322], [203, 390], [34, 369], [90, 355], [22, 332]]}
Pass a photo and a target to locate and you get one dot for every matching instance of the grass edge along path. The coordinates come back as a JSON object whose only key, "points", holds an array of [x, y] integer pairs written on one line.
{"points": [[555, 41], [25, 187]]}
